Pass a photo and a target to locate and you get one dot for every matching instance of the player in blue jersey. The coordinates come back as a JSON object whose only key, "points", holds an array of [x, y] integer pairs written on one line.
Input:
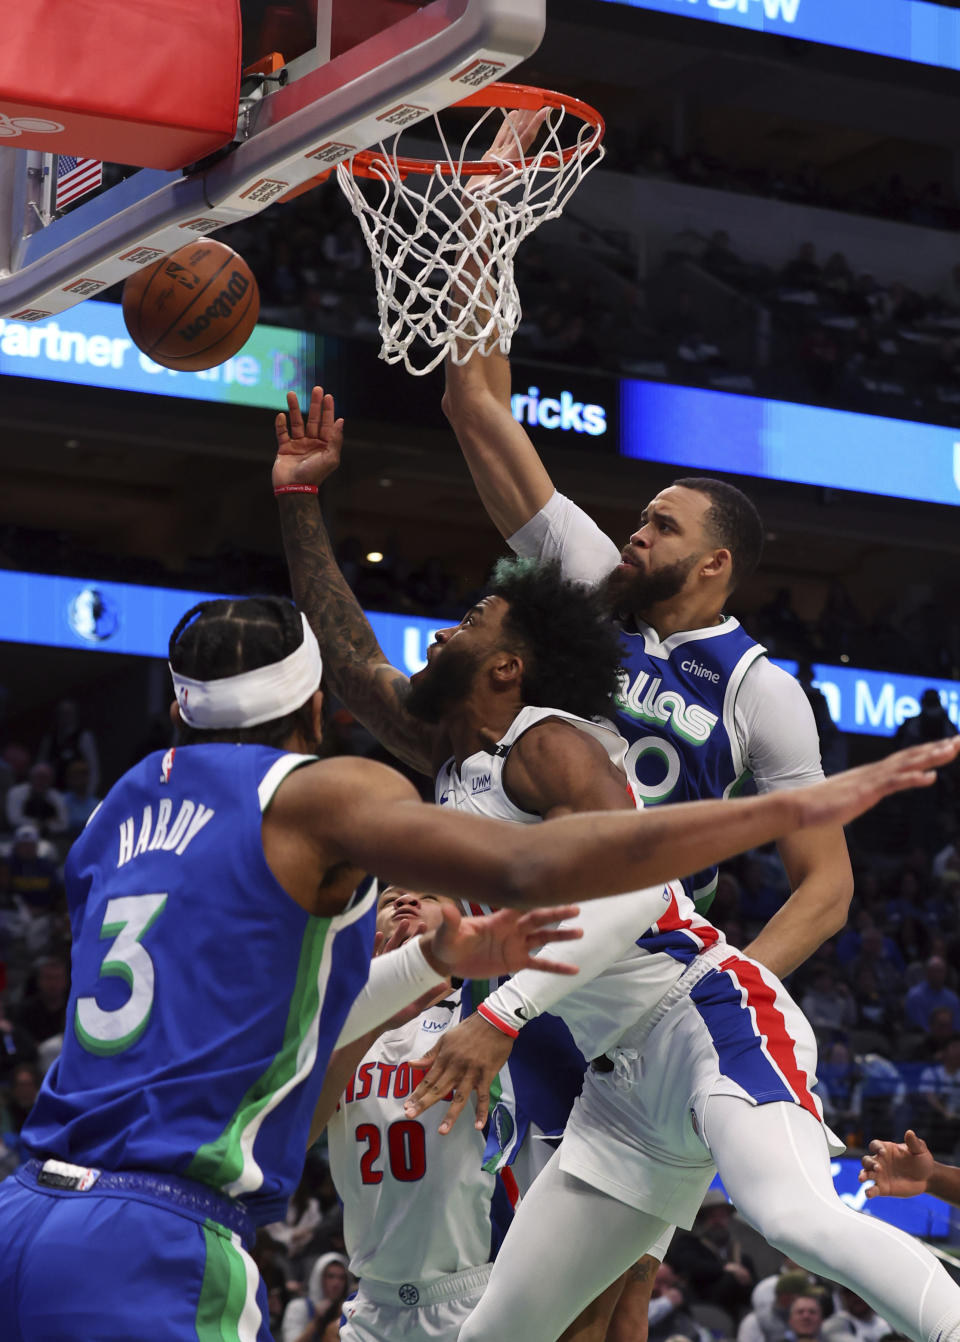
{"points": [[702, 707], [223, 926]]}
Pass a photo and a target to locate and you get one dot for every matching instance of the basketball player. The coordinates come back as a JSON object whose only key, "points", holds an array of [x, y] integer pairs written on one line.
{"points": [[473, 687], [417, 1206], [701, 706], [222, 928]]}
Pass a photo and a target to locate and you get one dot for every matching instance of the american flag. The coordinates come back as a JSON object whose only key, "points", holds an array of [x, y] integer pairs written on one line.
{"points": [[75, 177]]}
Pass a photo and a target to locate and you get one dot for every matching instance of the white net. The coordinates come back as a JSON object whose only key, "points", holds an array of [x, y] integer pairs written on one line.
{"points": [[443, 242]]}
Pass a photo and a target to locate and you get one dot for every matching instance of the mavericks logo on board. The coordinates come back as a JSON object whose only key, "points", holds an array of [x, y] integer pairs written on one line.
{"points": [[92, 616]]}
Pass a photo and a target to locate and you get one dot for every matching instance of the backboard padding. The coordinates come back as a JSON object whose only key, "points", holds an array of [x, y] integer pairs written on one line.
{"points": [[430, 57]]}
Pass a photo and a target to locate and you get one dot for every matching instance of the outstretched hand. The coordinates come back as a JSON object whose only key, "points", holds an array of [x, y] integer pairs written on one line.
{"points": [[499, 943], [515, 136], [464, 1060], [898, 1169], [847, 795], [307, 453]]}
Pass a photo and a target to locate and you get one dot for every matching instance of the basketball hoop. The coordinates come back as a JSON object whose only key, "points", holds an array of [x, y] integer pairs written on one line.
{"points": [[443, 232]]}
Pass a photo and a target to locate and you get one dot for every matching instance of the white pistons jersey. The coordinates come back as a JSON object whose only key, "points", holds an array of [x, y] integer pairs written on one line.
{"points": [[633, 948], [416, 1206], [477, 786]]}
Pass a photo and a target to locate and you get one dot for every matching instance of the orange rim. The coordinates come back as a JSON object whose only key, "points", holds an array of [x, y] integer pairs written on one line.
{"points": [[512, 97]]}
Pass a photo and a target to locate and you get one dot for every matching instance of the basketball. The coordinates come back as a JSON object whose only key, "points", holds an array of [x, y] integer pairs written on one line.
{"points": [[193, 309]]}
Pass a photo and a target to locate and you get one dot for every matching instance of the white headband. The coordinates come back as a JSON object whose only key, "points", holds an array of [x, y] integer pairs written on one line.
{"points": [[254, 696]]}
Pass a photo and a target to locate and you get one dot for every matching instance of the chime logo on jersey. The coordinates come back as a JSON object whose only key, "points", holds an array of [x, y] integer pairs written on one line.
{"points": [[646, 701]]}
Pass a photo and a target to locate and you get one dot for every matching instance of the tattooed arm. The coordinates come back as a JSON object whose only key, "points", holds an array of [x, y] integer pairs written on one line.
{"points": [[354, 663]]}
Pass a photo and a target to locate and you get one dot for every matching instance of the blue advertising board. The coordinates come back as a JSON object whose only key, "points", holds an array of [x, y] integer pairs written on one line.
{"points": [[97, 616], [910, 30], [121, 617], [649, 421], [924, 1215], [781, 440]]}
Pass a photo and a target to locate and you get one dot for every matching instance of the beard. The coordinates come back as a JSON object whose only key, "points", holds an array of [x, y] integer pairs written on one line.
{"points": [[634, 591], [442, 685]]}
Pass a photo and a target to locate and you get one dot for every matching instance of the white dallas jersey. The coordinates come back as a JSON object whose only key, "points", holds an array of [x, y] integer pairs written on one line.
{"points": [[634, 946], [416, 1205]]}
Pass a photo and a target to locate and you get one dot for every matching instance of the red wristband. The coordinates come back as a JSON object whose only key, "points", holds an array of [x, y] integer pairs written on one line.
{"points": [[295, 489], [498, 1024]]}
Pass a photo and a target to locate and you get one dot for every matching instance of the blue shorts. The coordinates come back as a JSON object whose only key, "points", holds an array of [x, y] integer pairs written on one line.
{"points": [[77, 1266]]}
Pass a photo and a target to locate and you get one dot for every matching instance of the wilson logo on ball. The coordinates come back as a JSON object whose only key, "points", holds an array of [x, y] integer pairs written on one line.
{"points": [[222, 306]]}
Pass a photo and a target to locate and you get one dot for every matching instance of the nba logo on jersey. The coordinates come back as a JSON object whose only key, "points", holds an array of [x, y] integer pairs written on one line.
{"points": [[166, 764]]}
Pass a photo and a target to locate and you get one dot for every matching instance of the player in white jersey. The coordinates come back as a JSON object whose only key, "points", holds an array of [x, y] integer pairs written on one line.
{"points": [[479, 676], [416, 1206]]}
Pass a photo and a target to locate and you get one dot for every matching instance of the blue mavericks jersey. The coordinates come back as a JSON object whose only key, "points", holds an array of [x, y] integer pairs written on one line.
{"points": [[205, 1002], [675, 707]]}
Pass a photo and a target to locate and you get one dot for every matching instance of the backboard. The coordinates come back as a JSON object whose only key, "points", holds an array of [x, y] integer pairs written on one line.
{"points": [[372, 65]]}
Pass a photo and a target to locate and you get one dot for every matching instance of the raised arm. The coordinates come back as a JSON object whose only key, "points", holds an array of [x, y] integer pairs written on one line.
{"points": [[354, 663], [511, 480]]}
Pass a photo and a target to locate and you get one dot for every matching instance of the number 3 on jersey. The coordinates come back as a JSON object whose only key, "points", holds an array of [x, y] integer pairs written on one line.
{"points": [[111, 1031]]}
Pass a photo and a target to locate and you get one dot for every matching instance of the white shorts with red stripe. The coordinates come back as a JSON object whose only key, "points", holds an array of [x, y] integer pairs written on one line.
{"points": [[728, 1027]]}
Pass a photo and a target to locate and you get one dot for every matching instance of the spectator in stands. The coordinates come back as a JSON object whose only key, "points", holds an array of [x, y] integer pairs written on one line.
{"points": [[926, 997], [768, 1320], [39, 801], [839, 1079], [17, 1045], [833, 747], [939, 1089], [802, 272], [711, 1258], [20, 1097], [806, 1318], [853, 1319], [721, 260], [941, 1031], [78, 796], [829, 1003], [874, 1010], [784, 631], [66, 741], [43, 1011], [328, 1285], [765, 884], [904, 904], [882, 955], [940, 911], [295, 1234], [820, 360], [33, 876], [668, 1314], [930, 724], [837, 278], [948, 857]]}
